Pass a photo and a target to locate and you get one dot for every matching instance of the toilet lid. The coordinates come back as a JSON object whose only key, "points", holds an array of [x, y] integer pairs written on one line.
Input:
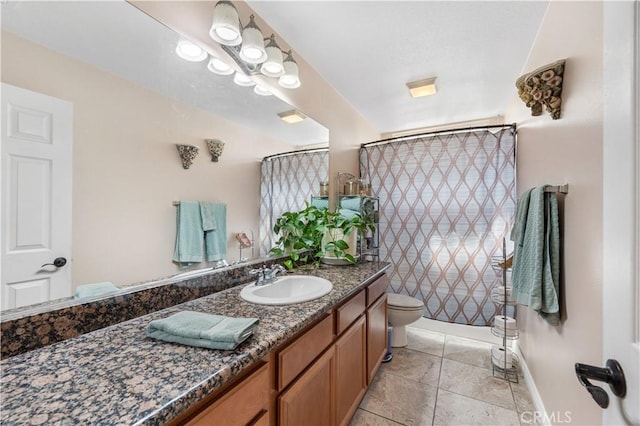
{"points": [[403, 302]]}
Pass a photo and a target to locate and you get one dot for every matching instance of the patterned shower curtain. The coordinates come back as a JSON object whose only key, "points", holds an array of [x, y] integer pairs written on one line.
{"points": [[286, 181], [447, 200]]}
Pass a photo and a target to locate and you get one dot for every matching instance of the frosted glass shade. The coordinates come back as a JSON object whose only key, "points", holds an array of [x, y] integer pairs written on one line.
{"points": [[252, 50], [225, 28], [290, 79], [273, 66], [190, 52], [217, 66]]}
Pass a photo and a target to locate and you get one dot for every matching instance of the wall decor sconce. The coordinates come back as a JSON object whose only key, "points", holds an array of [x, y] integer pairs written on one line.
{"points": [[187, 154], [543, 88], [215, 147]]}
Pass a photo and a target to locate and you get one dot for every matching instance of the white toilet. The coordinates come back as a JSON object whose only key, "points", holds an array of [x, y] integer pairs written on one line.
{"points": [[402, 310]]}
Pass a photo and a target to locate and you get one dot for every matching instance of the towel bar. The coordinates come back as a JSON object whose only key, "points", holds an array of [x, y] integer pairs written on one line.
{"points": [[562, 189]]}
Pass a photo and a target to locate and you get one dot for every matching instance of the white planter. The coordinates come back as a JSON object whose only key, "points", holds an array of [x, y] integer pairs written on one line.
{"points": [[336, 234]]}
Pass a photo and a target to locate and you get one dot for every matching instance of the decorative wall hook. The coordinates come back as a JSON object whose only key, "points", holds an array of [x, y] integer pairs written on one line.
{"points": [[187, 154], [543, 87], [215, 148]]}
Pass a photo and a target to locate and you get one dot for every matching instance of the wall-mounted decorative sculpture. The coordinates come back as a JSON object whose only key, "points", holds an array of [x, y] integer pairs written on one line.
{"points": [[187, 154], [543, 88], [215, 148]]}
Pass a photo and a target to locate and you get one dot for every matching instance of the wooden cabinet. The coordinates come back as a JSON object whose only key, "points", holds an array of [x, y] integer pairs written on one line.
{"points": [[376, 336], [293, 359], [318, 377], [310, 400], [247, 402], [351, 372]]}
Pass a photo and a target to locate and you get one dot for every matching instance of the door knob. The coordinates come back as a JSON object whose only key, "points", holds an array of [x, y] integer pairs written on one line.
{"points": [[58, 262], [611, 374]]}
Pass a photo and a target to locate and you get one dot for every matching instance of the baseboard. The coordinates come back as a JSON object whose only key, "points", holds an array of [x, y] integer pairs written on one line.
{"points": [[531, 387]]}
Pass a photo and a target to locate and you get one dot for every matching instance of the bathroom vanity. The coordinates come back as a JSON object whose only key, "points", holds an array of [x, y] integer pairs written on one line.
{"points": [[307, 363]]}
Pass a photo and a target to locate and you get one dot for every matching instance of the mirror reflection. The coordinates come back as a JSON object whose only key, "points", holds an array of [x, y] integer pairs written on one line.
{"points": [[128, 100]]}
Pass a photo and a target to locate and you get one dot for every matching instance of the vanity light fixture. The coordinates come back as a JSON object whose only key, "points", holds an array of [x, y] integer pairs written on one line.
{"points": [[242, 80], [259, 90], [217, 66], [421, 88], [190, 51], [290, 79], [252, 50], [273, 66], [247, 47], [225, 28], [293, 116]]}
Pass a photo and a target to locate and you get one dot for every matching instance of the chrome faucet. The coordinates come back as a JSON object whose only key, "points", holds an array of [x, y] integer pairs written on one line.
{"points": [[267, 275]]}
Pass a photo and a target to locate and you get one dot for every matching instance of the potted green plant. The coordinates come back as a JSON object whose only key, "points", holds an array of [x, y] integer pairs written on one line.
{"points": [[312, 234]]}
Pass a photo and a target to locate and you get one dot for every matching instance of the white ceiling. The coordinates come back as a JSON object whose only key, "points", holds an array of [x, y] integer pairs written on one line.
{"points": [[118, 38], [366, 50], [369, 50]]}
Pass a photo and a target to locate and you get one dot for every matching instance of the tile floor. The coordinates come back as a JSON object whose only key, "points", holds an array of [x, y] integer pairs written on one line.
{"points": [[440, 379]]}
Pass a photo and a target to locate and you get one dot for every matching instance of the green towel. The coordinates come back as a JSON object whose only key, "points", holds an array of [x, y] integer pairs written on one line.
{"points": [[536, 259], [320, 203], [215, 241], [350, 203], [349, 214], [208, 214], [189, 234], [202, 330], [96, 289]]}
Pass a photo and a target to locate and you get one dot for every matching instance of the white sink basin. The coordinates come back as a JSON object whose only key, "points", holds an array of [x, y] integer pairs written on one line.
{"points": [[287, 290]]}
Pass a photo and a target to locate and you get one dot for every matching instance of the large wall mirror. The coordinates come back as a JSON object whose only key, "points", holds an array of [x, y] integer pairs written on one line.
{"points": [[133, 99]]}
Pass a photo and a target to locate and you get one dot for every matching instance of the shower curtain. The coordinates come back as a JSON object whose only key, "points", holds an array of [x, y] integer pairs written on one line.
{"points": [[447, 200], [286, 181]]}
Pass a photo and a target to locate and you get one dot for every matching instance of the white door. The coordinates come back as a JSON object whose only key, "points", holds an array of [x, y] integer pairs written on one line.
{"points": [[621, 197], [37, 137]]}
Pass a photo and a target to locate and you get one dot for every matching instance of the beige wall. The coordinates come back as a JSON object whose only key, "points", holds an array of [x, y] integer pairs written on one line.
{"points": [[127, 171], [568, 150], [316, 98]]}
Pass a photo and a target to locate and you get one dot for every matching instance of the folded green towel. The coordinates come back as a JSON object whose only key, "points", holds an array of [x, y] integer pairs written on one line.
{"points": [[321, 203], [96, 289], [350, 203], [202, 330]]}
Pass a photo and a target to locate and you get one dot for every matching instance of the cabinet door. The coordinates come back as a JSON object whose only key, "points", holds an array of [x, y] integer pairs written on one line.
{"points": [[240, 405], [376, 336], [310, 400], [351, 373]]}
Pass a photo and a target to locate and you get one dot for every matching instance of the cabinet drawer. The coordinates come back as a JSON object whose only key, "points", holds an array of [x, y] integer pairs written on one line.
{"points": [[349, 312], [377, 288], [241, 404], [297, 356]]}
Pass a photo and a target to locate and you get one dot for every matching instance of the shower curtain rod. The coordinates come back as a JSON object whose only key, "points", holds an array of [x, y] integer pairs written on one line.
{"points": [[438, 132], [300, 151]]}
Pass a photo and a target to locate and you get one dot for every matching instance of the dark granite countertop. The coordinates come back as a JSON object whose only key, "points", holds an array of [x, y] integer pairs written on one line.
{"points": [[116, 375]]}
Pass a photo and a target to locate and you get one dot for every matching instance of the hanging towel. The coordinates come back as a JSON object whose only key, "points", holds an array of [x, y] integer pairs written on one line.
{"points": [[208, 214], [96, 289], [202, 330], [215, 241], [536, 259], [189, 234]]}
